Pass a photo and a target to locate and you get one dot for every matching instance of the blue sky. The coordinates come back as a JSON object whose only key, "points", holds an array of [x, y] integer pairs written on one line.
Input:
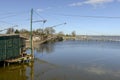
{"points": [[17, 12]]}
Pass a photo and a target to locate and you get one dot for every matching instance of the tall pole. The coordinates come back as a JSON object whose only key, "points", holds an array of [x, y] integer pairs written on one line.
{"points": [[31, 41]]}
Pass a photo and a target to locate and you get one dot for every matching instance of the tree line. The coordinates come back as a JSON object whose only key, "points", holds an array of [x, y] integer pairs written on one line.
{"points": [[44, 33]]}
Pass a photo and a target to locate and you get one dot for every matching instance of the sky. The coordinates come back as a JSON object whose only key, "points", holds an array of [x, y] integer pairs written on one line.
{"points": [[86, 17]]}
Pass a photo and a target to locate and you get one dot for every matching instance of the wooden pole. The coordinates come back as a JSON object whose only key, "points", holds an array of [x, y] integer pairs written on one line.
{"points": [[31, 41]]}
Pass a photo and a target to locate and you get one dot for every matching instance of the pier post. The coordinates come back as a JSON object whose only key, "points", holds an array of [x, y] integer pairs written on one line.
{"points": [[4, 64], [31, 40], [8, 64]]}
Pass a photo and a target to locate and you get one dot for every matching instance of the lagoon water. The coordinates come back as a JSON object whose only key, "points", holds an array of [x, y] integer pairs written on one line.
{"points": [[69, 60]]}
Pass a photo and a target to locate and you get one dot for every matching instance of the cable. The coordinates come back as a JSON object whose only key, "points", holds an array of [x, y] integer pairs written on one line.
{"points": [[44, 20], [38, 14], [13, 15], [105, 17], [7, 16], [8, 13], [7, 22], [108, 17]]}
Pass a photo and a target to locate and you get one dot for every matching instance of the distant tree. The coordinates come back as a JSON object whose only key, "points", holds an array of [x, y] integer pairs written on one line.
{"points": [[24, 31], [61, 33], [49, 30], [40, 31], [10, 31], [73, 33], [17, 31], [34, 32], [67, 35]]}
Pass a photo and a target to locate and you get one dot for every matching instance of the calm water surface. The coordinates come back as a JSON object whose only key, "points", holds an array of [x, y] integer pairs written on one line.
{"points": [[69, 60]]}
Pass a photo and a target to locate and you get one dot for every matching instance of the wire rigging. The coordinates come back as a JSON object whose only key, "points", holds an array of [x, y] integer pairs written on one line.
{"points": [[6, 22], [43, 19], [9, 24], [88, 16], [13, 15], [38, 14], [108, 17]]}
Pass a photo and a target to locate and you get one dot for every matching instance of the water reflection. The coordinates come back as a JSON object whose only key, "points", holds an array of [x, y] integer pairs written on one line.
{"points": [[70, 60], [17, 72], [48, 47], [82, 60]]}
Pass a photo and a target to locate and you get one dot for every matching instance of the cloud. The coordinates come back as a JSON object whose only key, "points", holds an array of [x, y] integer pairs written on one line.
{"points": [[76, 4], [92, 2], [40, 10]]}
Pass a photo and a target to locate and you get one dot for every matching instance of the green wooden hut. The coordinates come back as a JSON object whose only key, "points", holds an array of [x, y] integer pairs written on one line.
{"points": [[10, 46]]}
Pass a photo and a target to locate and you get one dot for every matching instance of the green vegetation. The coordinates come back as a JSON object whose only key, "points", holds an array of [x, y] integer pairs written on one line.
{"points": [[42, 34]]}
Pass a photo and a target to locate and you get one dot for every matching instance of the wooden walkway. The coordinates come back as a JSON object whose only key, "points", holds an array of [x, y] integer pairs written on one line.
{"points": [[40, 42], [22, 59]]}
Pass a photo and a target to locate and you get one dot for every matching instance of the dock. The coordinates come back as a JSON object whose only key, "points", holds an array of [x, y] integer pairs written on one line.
{"points": [[22, 59]]}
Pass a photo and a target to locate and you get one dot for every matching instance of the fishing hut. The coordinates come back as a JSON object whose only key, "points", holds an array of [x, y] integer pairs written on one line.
{"points": [[12, 48]]}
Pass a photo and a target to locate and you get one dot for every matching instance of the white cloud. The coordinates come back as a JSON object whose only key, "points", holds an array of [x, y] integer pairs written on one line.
{"points": [[39, 10], [92, 2], [76, 4]]}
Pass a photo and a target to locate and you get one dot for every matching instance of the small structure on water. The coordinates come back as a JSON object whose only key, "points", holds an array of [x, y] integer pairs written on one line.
{"points": [[12, 48]]}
